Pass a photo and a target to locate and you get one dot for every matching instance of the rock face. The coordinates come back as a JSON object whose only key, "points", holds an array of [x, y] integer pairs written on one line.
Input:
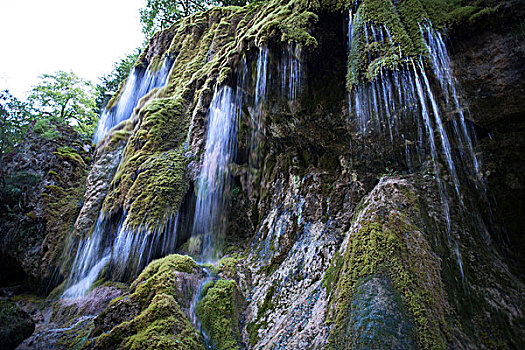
{"points": [[15, 324], [489, 61], [332, 240], [46, 181]]}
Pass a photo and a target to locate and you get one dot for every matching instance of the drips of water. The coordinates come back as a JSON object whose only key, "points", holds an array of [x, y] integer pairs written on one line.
{"points": [[401, 107], [290, 71], [138, 84], [258, 110]]}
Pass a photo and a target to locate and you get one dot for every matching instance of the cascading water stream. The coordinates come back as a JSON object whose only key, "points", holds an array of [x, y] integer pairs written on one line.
{"points": [[90, 259], [214, 182], [257, 115], [126, 251], [290, 71], [138, 84]]}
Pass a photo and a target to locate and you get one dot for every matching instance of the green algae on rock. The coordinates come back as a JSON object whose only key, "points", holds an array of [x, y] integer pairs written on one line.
{"points": [[154, 313], [219, 312], [386, 241]]}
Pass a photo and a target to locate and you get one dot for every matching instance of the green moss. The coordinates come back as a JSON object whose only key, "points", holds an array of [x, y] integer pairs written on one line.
{"points": [[160, 322], [161, 325], [332, 274], [218, 312], [393, 246], [70, 154], [62, 201], [226, 267], [402, 18], [150, 181], [159, 277]]}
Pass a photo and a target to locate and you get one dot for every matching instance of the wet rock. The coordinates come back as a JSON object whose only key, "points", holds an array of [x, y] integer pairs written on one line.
{"points": [[92, 304], [156, 311]]}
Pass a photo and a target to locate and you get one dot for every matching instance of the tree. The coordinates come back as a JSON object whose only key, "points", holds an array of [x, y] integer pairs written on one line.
{"points": [[14, 122], [110, 83], [66, 98], [160, 14]]}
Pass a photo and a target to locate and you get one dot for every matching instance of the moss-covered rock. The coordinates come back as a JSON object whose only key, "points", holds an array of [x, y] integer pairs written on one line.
{"points": [[206, 47], [386, 240], [154, 314], [219, 312], [387, 33], [45, 184], [161, 325]]}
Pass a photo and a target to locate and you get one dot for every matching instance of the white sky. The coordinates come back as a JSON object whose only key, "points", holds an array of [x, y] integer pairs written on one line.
{"points": [[44, 36]]}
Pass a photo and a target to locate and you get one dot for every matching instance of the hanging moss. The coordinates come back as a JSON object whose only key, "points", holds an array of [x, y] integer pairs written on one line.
{"points": [[150, 181], [402, 18], [206, 48]]}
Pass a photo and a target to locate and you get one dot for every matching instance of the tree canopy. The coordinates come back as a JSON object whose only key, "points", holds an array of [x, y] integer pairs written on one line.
{"points": [[66, 98], [160, 14]]}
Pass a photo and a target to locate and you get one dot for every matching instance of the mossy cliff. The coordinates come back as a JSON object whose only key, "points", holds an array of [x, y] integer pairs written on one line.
{"points": [[206, 47], [331, 241], [387, 33]]}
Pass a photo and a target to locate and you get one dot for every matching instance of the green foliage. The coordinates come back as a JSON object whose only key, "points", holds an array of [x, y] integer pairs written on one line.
{"points": [[160, 14], [14, 120], [46, 129], [68, 99]]}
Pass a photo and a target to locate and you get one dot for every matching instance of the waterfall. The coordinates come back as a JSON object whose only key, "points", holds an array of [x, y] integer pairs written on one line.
{"points": [[124, 251], [90, 260], [260, 94], [214, 182], [139, 82], [414, 118]]}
